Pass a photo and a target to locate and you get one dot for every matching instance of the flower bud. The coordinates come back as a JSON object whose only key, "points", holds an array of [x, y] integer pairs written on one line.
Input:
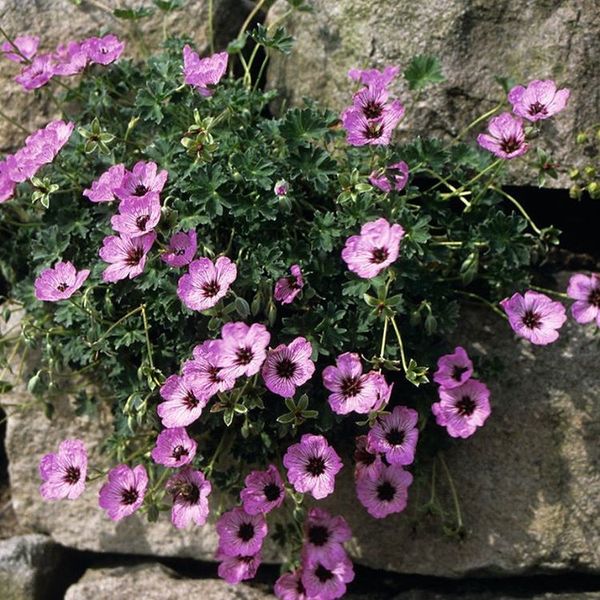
{"points": [[593, 189], [575, 192], [582, 137], [589, 172]]}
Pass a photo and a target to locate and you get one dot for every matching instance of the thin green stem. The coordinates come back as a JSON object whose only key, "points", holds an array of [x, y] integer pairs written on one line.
{"points": [[520, 208], [459, 520], [537, 288], [160, 481], [209, 468], [384, 338], [483, 301], [476, 122], [400, 344], [13, 122], [147, 334], [453, 189], [211, 35], [117, 323], [250, 16], [479, 175]]}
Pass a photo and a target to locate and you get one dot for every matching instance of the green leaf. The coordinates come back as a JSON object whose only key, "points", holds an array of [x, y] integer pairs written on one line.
{"points": [[132, 14], [423, 70]]}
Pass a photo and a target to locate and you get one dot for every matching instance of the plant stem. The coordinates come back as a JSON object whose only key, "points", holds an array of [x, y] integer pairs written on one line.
{"points": [[537, 288], [459, 520], [211, 36], [482, 300], [478, 120], [13, 122], [147, 333], [516, 203], [474, 179], [383, 338], [117, 323], [400, 344], [251, 16]]}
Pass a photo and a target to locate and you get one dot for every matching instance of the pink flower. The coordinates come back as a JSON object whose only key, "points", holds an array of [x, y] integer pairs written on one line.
{"points": [[395, 434], [290, 587], [367, 463], [326, 579], [104, 50], [539, 100], [103, 190], [206, 283], [362, 130], [453, 369], [182, 249], [324, 536], [586, 293], [174, 448], [59, 282], [374, 249], [183, 402], [70, 59], [204, 371], [382, 388], [263, 491], [461, 410], [385, 494], [137, 217], [374, 76], [397, 173], [124, 491], [38, 73], [506, 137], [535, 317], [287, 367], [27, 46], [7, 185], [63, 474], [242, 348], [203, 73], [47, 142], [312, 466], [281, 187], [126, 255], [241, 534], [234, 569], [372, 101], [190, 491], [142, 182], [352, 390], [287, 288]]}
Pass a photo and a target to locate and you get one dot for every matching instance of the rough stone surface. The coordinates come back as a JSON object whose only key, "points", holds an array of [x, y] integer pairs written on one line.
{"points": [[57, 21], [155, 582], [27, 563], [429, 595], [476, 41], [528, 482]]}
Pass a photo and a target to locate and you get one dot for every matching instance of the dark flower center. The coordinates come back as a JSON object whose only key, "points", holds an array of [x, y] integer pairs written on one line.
{"points": [[372, 109], [373, 131], [211, 288], [190, 401], [187, 491], [323, 574], [457, 372], [180, 451], [395, 437], [179, 252], [537, 108], [72, 475], [315, 466], [318, 535], [213, 375], [363, 457], [61, 287], [244, 356], [531, 320], [140, 190], [134, 256], [285, 368], [378, 255], [351, 386], [465, 406], [129, 496], [594, 298], [293, 282], [510, 144], [386, 491], [142, 221], [272, 492], [246, 532]]}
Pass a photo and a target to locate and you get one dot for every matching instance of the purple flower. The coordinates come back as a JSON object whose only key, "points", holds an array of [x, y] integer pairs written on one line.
{"points": [[70, 59], [287, 367], [104, 50], [60, 282], [242, 348], [506, 137], [204, 371], [290, 587], [174, 448], [206, 283], [324, 536], [395, 434], [392, 177], [234, 569], [374, 249], [241, 534], [586, 293], [326, 579], [372, 101], [373, 76], [312, 466], [453, 369], [534, 316], [142, 182], [7, 185], [352, 390], [281, 188], [461, 410], [362, 131], [263, 491], [48, 141], [190, 490], [38, 73], [203, 73], [27, 46], [386, 493], [367, 463], [63, 473], [137, 217], [382, 388], [287, 288], [103, 190], [183, 403], [539, 100], [182, 249], [126, 255], [124, 491]]}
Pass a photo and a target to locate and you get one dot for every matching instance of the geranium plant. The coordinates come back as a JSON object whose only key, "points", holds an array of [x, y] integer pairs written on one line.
{"points": [[269, 288]]}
